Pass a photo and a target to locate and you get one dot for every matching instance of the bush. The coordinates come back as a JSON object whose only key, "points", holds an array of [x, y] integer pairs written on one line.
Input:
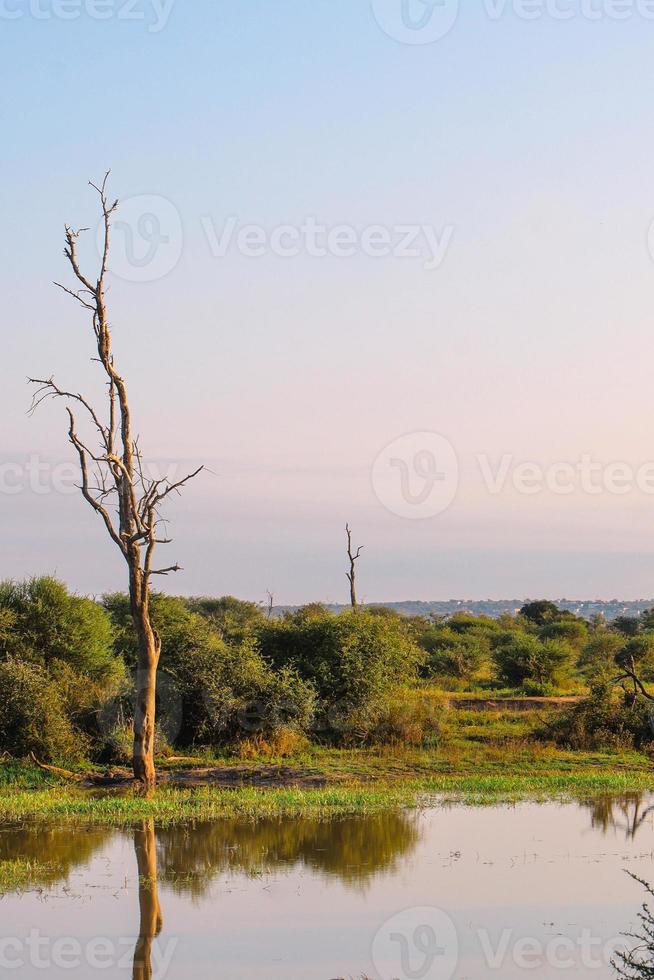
{"points": [[242, 697], [523, 658], [461, 655], [404, 719], [42, 622], [117, 745], [353, 660], [638, 653], [232, 618], [568, 629], [209, 689], [598, 654], [33, 714], [605, 719]]}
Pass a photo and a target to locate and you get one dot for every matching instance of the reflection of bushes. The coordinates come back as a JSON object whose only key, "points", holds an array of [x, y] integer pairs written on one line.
{"points": [[47, 855], [353, 849]]}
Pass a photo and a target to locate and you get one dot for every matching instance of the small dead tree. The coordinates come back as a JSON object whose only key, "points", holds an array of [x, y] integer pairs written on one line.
{"points": [[115, 484], [351, 575]]}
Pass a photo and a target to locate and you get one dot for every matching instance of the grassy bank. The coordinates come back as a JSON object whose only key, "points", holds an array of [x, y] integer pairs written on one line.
{"points": [[174, 804], [481, 757]]}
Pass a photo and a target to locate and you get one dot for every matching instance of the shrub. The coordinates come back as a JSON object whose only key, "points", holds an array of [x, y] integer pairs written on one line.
{"points": [[244, 697], [33, 714], [117, 745], [403, 719], [454, 654], [353, 660], [42, 622], [521, 658], [232, 618], [605, 719], [568, 629], [211, 689], [598, 654], [626, 625], [638, 653]]}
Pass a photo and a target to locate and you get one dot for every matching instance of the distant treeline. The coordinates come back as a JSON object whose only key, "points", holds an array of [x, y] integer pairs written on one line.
{"points": [[584, 608]]}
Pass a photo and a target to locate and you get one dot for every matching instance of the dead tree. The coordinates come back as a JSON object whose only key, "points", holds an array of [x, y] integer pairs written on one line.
{"points": [[115, 484], [351, 575]]}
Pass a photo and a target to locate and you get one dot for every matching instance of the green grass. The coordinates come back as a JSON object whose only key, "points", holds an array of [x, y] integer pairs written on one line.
{"points": [[478, 757], [175, 805]]}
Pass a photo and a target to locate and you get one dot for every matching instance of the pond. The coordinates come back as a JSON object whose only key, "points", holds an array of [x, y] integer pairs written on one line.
{"points": [[451, 892]]}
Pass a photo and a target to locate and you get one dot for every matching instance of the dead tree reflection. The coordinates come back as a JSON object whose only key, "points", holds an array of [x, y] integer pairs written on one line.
{"points": [[151, 920]]}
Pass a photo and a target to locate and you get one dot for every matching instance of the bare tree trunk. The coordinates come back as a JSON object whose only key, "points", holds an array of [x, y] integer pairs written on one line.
{"points": [[112, 472], [151, 920], [351, 575], [145, 707]]}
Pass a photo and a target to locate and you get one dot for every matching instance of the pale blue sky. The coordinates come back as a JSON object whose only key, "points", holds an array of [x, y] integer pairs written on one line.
{"points": [[531, 141]]}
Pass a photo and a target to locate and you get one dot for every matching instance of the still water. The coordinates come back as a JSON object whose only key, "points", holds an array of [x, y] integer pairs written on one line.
{"points": [[447, 893]]}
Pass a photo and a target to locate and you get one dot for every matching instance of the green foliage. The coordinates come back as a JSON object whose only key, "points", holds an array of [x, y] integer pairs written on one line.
{"points": [[42, 622], [598, 653], [467, 624], [460, 655], [312, 610], [626, 625], [569, 629], [605, 719], [234, 693], [525, 659], [638, 652], [232, 618], [352, 660], [33, 716], [540, 611], [212, 689]]}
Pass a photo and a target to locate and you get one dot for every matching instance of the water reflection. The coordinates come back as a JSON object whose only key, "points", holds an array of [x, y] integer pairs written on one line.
{"points": [[626, 814], [354, 849], [455, 858], [151, 919], [189, 860], [54, 852]]}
